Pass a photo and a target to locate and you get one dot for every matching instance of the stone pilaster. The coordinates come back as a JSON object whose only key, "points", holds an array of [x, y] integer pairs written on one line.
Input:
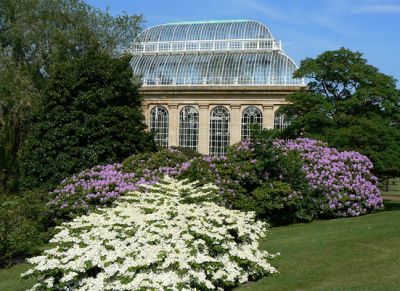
{"points": [[173, 129], [268, 116], [235, 124], [203, 128], [146, 113]]}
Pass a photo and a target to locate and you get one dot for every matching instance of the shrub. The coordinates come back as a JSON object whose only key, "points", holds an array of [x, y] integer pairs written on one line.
{"points": [[165, 161], [278, 203], [221, 172], [101, 185], [245, 168], [96, 187], [319, 180], [24, 221], [169, 236], [276, 187], [344, 179]]}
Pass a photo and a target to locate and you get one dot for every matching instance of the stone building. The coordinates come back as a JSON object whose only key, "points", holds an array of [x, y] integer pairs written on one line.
{"points": [[206, 82]]}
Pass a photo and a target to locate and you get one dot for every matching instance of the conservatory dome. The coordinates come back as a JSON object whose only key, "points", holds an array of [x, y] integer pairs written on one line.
{"points": [[204, 53]]}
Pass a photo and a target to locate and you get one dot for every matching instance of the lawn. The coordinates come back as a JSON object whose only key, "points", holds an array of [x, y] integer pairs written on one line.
{"points": [[9, 278], [351, 253], [361, 253]]}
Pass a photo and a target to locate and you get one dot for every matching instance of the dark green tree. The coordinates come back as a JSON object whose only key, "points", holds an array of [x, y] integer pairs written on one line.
{"points": [[17, 98], [349, 104], [90, 114], [33, 35]]}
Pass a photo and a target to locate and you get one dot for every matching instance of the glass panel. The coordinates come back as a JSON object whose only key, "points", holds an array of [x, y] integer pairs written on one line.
{"points": [[159, 123], [235, 45], [189, 127], [192, 46], [219, 131], [280, 122], [251, 116], [219, 46]]}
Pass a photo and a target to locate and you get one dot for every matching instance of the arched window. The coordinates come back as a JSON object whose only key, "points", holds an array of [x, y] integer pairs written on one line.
{"points": [[189, 127], [280, 121], [219, 131], [159, 123], [250, 116]]}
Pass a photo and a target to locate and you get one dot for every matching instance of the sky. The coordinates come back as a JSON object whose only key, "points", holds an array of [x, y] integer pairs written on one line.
{"points": [[306, 27]]}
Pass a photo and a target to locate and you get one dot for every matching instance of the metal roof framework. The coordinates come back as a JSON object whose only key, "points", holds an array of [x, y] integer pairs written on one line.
{"points": [[203, 53]]}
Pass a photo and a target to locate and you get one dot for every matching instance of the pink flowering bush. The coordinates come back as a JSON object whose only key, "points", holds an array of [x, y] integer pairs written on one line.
{"points": [[101, 185], [343, 178], [282, 181]]}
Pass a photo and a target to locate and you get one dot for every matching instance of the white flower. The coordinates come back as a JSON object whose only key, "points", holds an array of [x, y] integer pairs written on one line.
{"points": [[155, 239]]}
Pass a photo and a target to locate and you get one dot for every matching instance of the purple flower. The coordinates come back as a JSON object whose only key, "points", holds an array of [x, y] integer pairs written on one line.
{"points": [[344, 178]]}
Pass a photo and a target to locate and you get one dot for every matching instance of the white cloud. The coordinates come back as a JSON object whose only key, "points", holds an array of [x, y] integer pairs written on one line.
{"points": [[379, 8]]}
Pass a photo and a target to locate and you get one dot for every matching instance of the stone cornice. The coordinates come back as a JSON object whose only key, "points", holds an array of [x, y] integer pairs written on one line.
{"points": [[148, 91]]}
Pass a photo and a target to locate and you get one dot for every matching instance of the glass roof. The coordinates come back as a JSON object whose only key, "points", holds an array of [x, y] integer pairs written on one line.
{"points": [[206, 30], [256, 68], [224, 52]]}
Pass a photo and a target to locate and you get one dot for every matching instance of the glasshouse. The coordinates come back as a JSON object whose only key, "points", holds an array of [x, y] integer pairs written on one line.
{"points": [[206, 82]]}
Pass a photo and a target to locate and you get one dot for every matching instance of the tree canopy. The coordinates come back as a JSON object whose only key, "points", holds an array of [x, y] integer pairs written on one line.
{"points": [[34, 34], [349, 104], [89, 114]]}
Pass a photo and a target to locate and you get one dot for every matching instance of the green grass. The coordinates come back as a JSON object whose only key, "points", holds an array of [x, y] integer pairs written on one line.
{"points": [[9, 278], [361, 253]]}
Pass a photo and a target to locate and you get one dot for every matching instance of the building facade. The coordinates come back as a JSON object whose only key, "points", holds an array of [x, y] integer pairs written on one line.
{"points": [[205, 83]]}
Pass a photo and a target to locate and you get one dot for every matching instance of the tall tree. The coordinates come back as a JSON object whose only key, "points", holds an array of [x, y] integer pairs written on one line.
{"points": [[34, 34], [38, 32], [89, 114], [17, 98], [349, 104]]}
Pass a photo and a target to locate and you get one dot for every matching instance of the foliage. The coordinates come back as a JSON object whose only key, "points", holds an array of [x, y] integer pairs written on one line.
{"points": [[24, 221], [90, 114], [169, 236], [276, 186], [282, 181], [142, 164], [343, 178], [280, 204], [101, 185], [17, 97], [238, 174], [39, 32], [98, 186], [34, 34], [351, 105]]}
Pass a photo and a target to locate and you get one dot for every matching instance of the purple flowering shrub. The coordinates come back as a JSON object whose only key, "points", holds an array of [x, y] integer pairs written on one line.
{"points": [[276, 187], [98, 186], [101, 185], [171, 162], [219, 170], [343, 178], [283, 181], [237, 176]]}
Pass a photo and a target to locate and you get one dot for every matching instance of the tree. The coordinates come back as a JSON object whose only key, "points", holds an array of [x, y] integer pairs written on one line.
{"points": [[89, 114], [349, 104], [17, 97], [39, 31], [34, 34]]}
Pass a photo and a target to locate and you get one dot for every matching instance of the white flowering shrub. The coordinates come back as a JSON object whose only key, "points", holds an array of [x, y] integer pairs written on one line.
{"points": [[169, 236]]}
